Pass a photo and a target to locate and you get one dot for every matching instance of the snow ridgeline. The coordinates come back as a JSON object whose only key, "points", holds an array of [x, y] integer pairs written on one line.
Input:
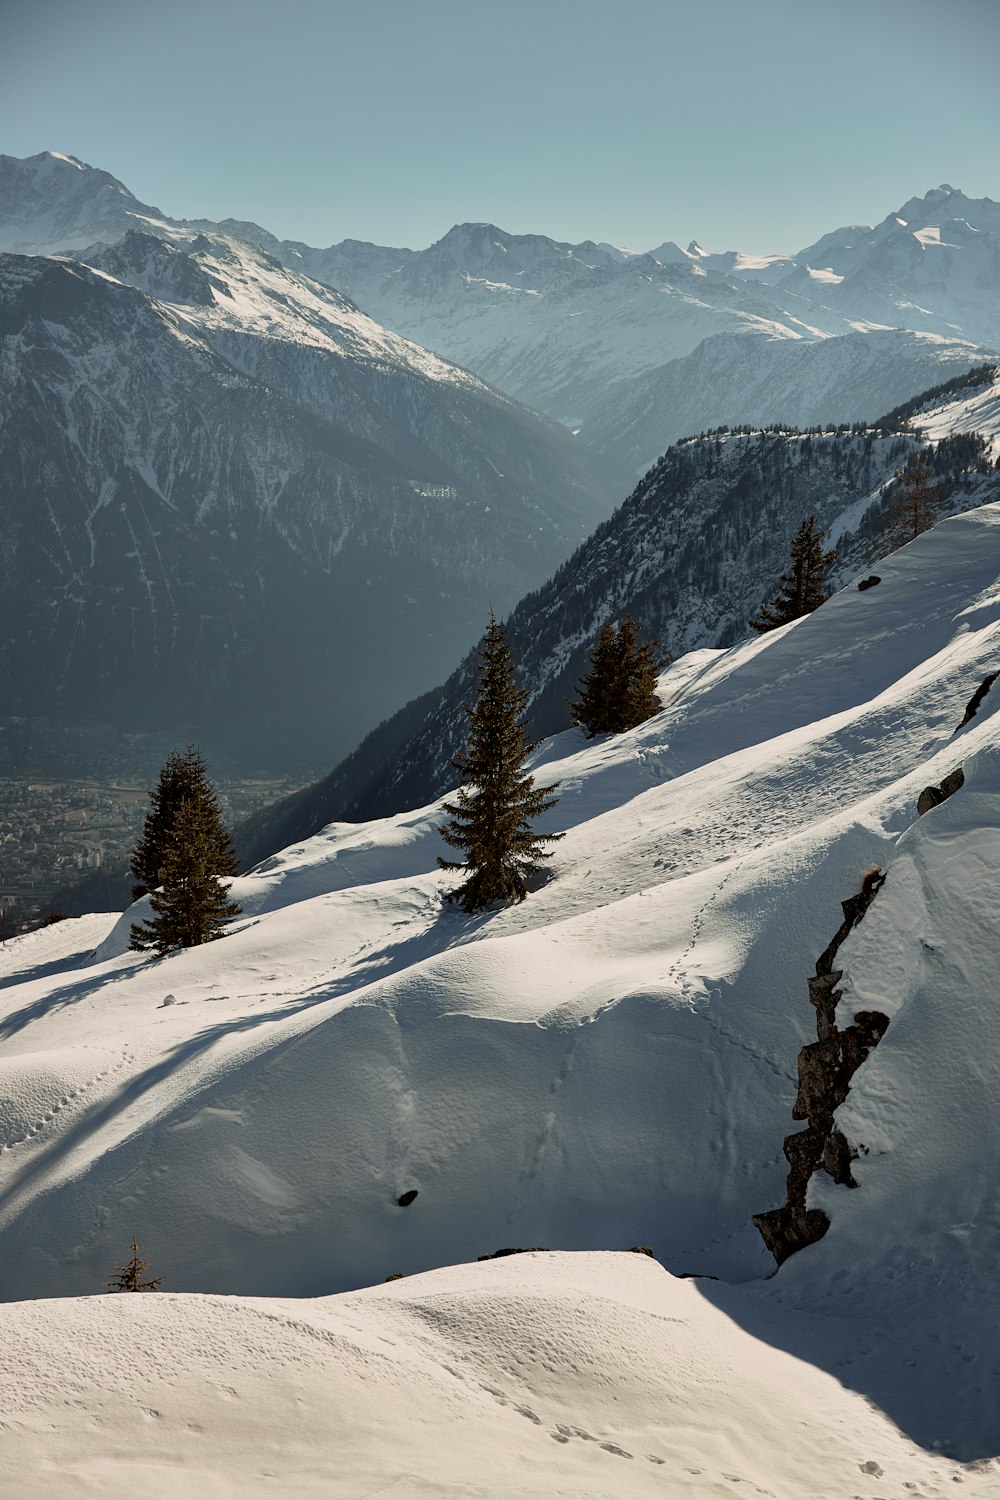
{"points": [[544, 1375], [612, 1062]]}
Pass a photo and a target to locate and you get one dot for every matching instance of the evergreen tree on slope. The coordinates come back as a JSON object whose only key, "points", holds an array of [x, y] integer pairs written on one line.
{"points": [[191, 905], [184, 854], [491, 815], [805, 585], [183, 775], [619, 691]]}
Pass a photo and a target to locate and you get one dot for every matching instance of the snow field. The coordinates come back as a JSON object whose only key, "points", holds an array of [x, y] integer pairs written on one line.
{"points": [[587, 1375], [610, 1063]]}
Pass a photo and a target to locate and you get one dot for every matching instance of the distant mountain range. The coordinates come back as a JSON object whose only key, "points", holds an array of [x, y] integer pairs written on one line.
{"points": [[588, 332], [234, 505], [238, 506]]}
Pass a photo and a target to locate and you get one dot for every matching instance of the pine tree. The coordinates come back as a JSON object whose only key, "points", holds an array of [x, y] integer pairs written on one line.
{"points": [[805, 586], [491, 815], [183, 856], [914, 504], [127, 1278], [619, 691], [592, 711], [184, 775], [191, 905]]}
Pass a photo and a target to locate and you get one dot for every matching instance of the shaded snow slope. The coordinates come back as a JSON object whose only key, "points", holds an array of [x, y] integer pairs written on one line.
{"points": [[53, 201], [542, 1375], [611, 1062]]}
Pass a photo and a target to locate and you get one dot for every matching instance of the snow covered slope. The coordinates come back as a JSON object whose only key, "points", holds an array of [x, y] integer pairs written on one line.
{"points": [[546, 1375], [611, 1062], [933, 265], [977, 410], [53, 201]]}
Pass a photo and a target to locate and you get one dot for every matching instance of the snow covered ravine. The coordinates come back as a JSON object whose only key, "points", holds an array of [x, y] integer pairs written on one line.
{"points": [[611, 1063]]}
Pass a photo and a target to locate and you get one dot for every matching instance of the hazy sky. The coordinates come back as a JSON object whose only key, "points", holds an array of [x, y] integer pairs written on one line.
{"points": [[751, 125]]}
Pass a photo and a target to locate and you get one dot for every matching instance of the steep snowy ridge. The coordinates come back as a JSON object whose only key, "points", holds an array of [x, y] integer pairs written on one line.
{"points": [[222, 286], [609, 1063], [932, 266]]}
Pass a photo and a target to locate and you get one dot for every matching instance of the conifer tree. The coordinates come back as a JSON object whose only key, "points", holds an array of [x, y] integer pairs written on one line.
{"points": [[491, 815], [191, 904], [183, 775], [619, 691], [805, 585], [128, 1278], [184, 854]]}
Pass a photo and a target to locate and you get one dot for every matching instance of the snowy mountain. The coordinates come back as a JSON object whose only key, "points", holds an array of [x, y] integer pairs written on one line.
{"points": [[731, 380], [590, 334], [934, 266], [219, 477], [563, 330], [614, 1062], [51, 202], [692, 554]]}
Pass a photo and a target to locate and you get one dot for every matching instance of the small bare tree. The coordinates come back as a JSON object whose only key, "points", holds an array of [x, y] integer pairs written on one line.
{"points": [[128, 1278], [913, 505]]}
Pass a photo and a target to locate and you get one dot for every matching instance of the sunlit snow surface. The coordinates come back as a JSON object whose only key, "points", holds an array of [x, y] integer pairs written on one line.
{"points": [[610, 1063]]}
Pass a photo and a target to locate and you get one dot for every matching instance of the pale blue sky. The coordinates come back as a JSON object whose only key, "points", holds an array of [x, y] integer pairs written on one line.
{"points": [[750, 125]]}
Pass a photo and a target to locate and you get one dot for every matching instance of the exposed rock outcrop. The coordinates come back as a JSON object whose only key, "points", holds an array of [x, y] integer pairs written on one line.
{"points": [[512, 1250], [932, 796], [972, 707], [826, 1068], [868, 583]]}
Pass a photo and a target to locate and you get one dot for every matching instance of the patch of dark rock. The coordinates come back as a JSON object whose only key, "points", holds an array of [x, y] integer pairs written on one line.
{"points": [[933, 796], [826, 1068], [405, 1199], [868, 583], [512, 1250], [790, 1228], [642, 1250], [854, 909], [396, 1276], [972, 707]]}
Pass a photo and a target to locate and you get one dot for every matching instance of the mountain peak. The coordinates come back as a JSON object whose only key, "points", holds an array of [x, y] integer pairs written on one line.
{"points": [[52, 156]]}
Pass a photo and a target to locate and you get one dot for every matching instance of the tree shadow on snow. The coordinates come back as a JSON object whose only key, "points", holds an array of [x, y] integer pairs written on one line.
{"points": [[449, 930]]}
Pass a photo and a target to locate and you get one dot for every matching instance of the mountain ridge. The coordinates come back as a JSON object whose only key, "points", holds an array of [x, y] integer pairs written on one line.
{"points": [[691, 553]]}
